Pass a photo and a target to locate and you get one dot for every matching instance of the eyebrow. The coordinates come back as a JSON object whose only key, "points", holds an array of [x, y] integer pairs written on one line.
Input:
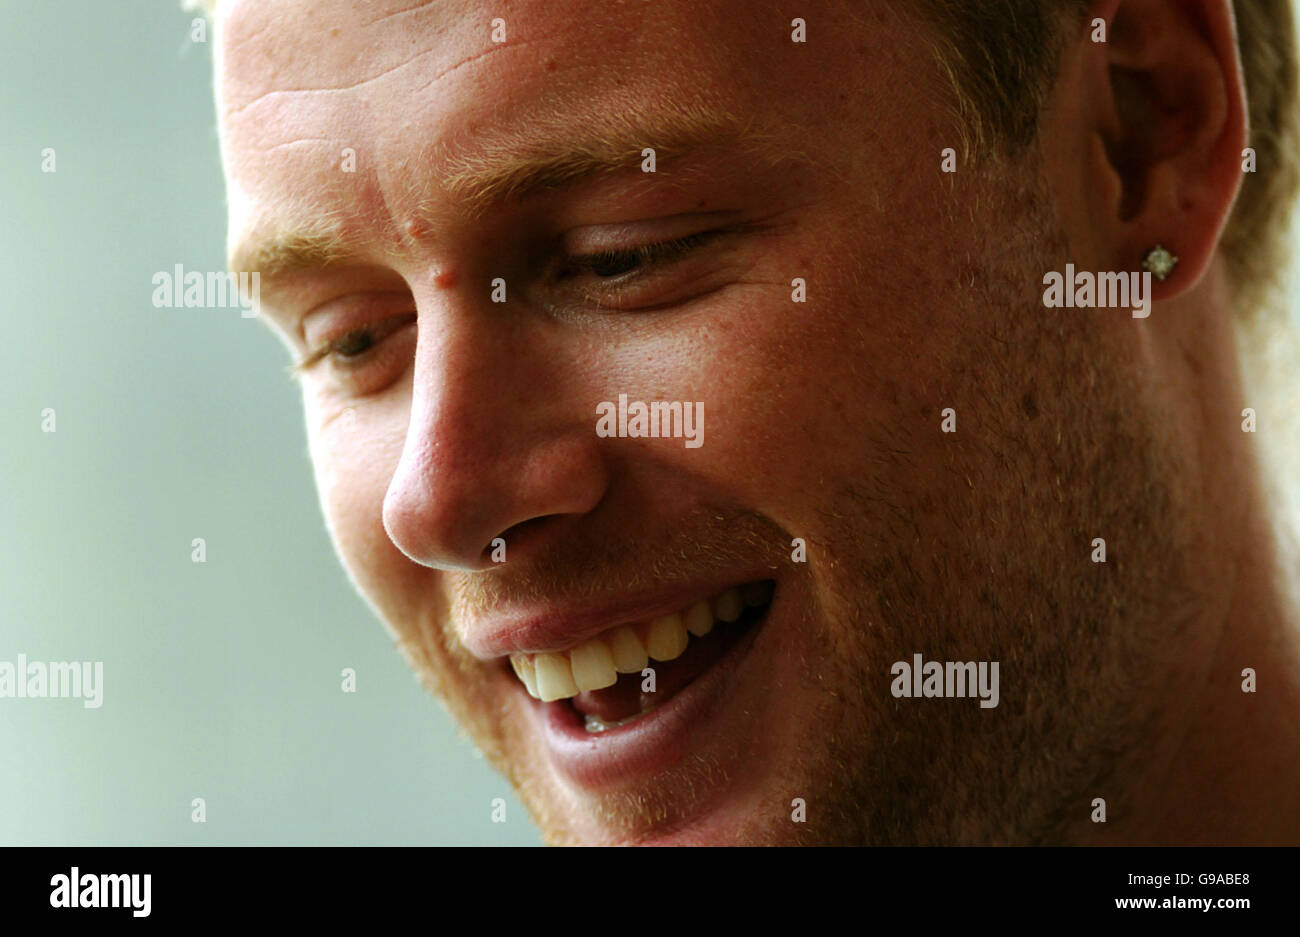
{"points": [[279, 254], [547, 158], [515, 166]]}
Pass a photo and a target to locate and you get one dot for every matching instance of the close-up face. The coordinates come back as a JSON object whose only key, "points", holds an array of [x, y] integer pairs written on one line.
{"points": [[493, 239]]}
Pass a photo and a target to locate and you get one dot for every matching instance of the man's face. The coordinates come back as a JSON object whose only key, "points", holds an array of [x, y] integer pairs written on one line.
{"points": [[823, 294]]}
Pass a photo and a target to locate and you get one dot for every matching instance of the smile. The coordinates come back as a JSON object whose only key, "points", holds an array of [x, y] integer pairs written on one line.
{"points": [[618, 676]]}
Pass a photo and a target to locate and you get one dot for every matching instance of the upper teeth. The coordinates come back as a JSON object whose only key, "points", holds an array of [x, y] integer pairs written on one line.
{"points": [[596, 663]]}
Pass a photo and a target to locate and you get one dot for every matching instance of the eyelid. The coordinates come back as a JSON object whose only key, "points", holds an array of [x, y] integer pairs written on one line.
{"points": [[675, 272], [657, 252], [381, 314], [610, 238], [380, 332], [358, 305]]}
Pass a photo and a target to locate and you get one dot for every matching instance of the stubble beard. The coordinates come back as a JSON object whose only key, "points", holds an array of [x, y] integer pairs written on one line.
{"points": [[991, 559]]}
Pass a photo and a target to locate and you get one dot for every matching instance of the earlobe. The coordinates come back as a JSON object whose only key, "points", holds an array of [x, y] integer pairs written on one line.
{"points": [[1173, 126]]}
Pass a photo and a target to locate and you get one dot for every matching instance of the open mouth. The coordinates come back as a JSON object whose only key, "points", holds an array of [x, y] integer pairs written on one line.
{"points": [[605, 680]]}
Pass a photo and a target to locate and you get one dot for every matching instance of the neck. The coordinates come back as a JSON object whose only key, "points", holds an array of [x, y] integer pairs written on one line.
{"points": [[1226, 767], [1235, 776]]}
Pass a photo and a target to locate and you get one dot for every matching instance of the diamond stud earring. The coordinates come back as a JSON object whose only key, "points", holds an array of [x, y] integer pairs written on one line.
{"points": [[1160, 263]]}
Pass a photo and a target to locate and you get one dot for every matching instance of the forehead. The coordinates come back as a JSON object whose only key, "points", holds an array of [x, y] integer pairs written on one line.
{"points": [[409, 88]]}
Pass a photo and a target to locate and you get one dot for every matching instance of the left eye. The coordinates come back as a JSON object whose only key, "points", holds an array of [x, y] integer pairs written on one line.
{"points": [[608, 265], [612, 265]]}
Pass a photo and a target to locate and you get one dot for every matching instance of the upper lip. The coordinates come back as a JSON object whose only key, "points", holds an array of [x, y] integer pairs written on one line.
{"points": [[541, 628]]}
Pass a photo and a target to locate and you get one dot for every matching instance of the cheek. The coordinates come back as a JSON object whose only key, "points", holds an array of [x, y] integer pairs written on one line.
{"points": [[355, 456], [803, 395], [354, 451]]}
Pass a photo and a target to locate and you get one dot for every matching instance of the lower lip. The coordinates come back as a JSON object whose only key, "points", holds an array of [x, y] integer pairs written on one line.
{"points": [[605, 761]]}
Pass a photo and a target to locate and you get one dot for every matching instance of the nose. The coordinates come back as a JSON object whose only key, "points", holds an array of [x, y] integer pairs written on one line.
{"points": [[495, 446]]}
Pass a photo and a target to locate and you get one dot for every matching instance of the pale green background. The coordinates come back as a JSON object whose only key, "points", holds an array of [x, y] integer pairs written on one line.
{"points": [[221, 680]]}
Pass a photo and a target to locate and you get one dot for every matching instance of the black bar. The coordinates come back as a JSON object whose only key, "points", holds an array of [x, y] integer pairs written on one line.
{"points": [[331, 885]]}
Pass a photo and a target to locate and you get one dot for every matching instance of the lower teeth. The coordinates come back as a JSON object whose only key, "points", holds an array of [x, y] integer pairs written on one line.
{"points": [[596, 724]]}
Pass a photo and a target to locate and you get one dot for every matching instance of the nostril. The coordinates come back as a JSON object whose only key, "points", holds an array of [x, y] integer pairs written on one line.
{"points": [[516, 537]]}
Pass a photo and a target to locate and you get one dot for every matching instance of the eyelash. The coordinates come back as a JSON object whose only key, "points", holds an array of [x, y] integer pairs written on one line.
{"points": [[662, 252], [330, 349], [643, 256]]}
